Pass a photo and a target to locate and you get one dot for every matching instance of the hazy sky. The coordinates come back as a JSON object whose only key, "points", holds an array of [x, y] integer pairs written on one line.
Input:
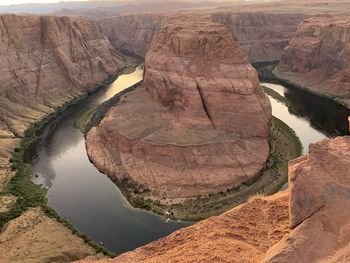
{"points": [[13, 2]]}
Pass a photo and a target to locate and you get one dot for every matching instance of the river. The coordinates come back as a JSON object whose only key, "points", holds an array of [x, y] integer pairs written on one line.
{"points": [[95, 206]]}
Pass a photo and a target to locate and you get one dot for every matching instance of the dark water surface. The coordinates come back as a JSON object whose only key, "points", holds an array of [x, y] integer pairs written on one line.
{"points": [[88, 199], [313, 118], [95, 206]]}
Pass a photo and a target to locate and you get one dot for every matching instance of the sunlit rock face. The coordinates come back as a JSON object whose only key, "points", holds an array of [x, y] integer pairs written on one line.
{"points": [[318, 57], [44, 62], [200, 122]]}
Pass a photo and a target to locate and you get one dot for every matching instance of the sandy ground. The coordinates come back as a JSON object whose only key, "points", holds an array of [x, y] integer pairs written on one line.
{"points": [[34, 237]]}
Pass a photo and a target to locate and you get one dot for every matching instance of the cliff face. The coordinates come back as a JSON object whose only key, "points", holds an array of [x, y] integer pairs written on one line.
{"points": [[132, 32], [319, 206], [316, 230], [262, 36], [318, 56], [198, 125], [45, 62]]}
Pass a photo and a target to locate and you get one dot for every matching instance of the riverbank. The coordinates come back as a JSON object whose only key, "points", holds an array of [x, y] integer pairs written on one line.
{"points": [[269, 72], [26, 195]]}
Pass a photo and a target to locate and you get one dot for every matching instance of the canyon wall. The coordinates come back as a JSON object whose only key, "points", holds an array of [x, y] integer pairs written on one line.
{"points": [[261, 35], [317, 58], [309, 222], [133, 33], [198, 125], [46, 62]]}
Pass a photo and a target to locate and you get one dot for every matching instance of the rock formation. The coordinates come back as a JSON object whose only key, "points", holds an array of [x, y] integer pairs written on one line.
{"points": [[45, 62], [198, 125], [133, 33], [262, 35], [316, 230], [319, 206], [317, 58]]}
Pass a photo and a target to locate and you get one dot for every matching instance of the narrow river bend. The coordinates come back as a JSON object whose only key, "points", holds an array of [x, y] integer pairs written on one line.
{"points": [[90, 200]]}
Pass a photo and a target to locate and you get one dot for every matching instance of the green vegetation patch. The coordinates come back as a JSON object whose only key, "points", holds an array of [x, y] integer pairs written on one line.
{"points": [[28, 194]]}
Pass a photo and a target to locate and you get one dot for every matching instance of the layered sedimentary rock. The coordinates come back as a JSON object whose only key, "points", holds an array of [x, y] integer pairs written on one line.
{"points": [[318, 57], [319, 206], [198, 125], [261, 35], [311, 219], [132, 32], [45, 62]]}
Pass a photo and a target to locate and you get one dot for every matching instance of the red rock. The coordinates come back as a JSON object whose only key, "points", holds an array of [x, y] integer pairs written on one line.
{"points": [[241, 235], [46, 62], [317, 58], [319, 206], [133, 33], [262, 35], [200, 123]]}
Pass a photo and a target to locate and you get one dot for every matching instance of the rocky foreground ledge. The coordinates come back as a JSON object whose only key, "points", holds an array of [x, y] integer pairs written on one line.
{"points": [[198, 125], [310, 222]]}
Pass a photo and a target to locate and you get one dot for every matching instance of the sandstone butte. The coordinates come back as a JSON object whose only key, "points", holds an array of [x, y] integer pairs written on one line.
{"points": [[318, 56], [44, 63], [308, 223], [198, 125]]}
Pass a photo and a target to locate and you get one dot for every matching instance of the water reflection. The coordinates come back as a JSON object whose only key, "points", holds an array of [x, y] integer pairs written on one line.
{"points": [[87, 198], [312, 118]]}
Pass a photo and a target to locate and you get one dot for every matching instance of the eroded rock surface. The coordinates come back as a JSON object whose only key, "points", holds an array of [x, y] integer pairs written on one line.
{"points": [[133, 33], [45, 62], [319, 206], [198, 125], [261, 35], [318, 57], [241, 235], [311, 219]]}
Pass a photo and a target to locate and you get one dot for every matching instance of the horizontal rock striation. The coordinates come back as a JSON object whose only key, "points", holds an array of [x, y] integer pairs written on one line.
{"points": [[318, 57], [307, 223], [46, 62], [262, 36], [133, 33], [199, 124]]}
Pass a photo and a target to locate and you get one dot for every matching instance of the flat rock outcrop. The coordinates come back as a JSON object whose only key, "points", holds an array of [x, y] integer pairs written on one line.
{"points": [[45, 62], [317, 58], [199, 124], [262, 36], [241, 235]]}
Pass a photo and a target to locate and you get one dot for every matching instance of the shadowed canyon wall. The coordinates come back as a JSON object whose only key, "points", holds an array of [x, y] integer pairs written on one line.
{"points": [[262, 36], [318, 57], [200, 122]]}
